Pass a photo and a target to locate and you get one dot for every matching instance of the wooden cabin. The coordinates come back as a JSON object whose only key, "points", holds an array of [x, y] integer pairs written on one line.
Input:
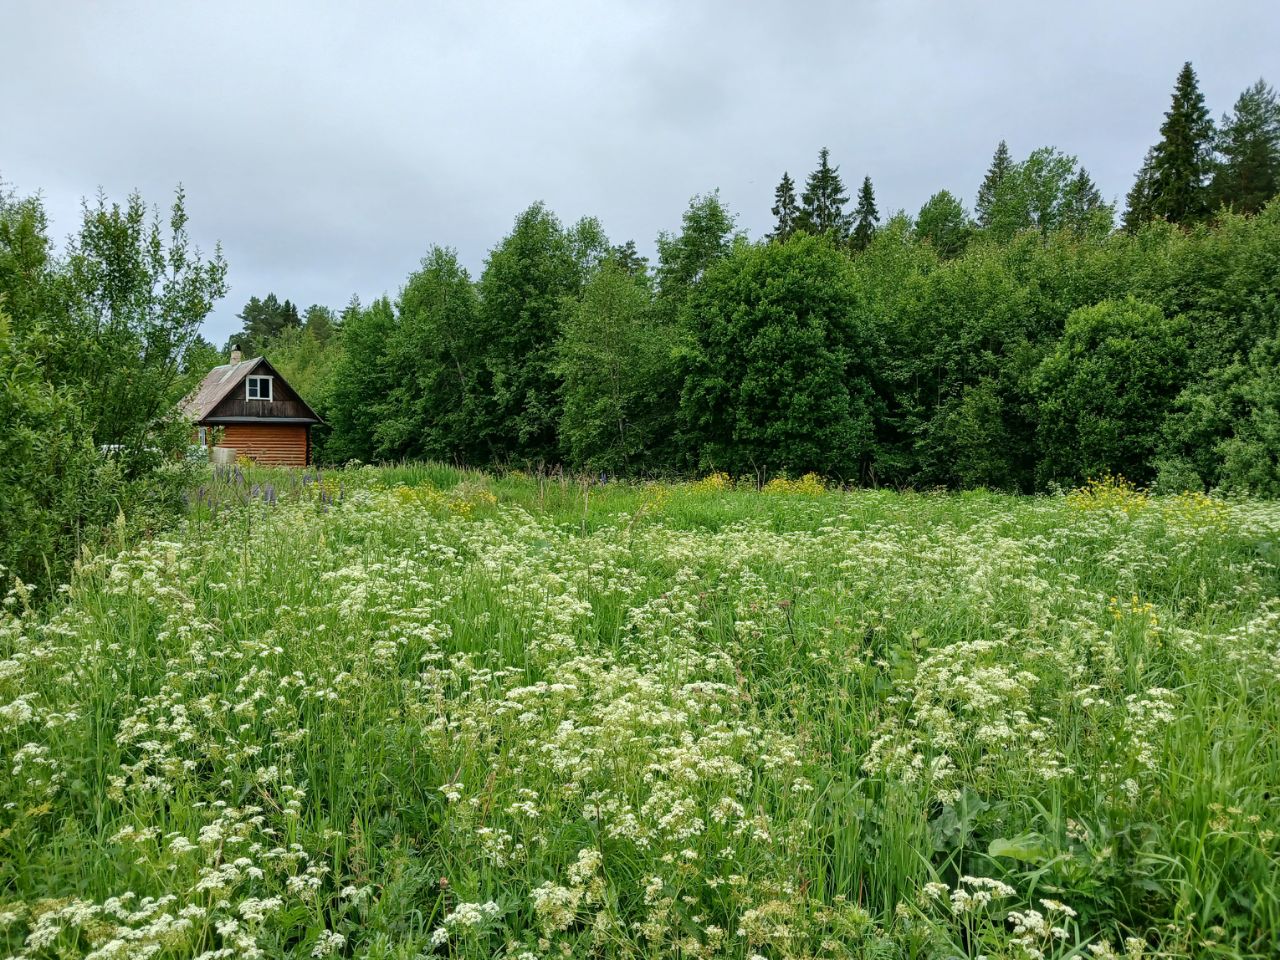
{"points": [[248, 407]]}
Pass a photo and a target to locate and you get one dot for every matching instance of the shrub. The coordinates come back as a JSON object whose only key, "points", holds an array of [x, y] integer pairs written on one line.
{"points": [[1105, 390]]}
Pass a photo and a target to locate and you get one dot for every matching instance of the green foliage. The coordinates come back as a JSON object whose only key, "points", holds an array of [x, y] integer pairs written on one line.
{"points": [[1085, 431], [48, 467], [628, 257], [133, 297], [956, 332], [786, 209], [777, 373], [1226, 425], [198, 359], [93, 361], [706, 234], [306, 360], [360, 382], [1248, 172], [1046, 192], [433, 405], [1083, 209], [1182, 160], [943, 223], [525, 282], [822, 209], [261, 322], [614, 359], [1139, 206], [1001, 164], [866, 218], [1251, 453], [321, 323], [956, 389]]}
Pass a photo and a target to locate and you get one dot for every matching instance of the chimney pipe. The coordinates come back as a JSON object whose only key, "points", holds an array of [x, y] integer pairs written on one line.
{"points": [[235, 353]]}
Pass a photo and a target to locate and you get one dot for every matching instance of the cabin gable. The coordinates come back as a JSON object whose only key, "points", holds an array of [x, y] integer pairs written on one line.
{"points": [[247, 401]]}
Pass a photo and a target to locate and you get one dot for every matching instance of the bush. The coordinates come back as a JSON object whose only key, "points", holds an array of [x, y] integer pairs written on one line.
{"points": [[49, 471], [1251, 458], [1105, 390], [1176, 475], [91, 350]]}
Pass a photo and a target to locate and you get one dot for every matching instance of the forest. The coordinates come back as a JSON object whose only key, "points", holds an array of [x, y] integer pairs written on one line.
{"points": [[1034, 342], [1029, 343]]}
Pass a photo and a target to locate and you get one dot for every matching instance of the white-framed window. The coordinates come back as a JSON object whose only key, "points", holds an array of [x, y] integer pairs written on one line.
{"points": [[257, 388]]}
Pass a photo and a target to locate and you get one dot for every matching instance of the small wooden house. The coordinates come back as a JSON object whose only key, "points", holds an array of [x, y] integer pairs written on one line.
{"points": [[256, 412]]}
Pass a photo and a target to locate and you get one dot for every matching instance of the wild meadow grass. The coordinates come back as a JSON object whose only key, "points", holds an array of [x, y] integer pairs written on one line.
{"points": [[410, 712]]}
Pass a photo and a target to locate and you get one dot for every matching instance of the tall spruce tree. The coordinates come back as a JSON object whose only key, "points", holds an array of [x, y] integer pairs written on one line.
{"points": [[824, 199], [1001, 164], [1183, 158], [786, 211], [1138, 206], [866, 216], [1248, 174]]}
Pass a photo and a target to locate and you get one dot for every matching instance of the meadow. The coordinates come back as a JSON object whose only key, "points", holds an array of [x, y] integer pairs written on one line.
{"points": [[412, 711]]}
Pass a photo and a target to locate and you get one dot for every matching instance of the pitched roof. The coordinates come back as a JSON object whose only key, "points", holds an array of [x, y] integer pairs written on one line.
{"points": [[217, 383]]}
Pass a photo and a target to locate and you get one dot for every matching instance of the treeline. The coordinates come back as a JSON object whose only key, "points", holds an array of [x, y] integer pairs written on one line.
{"points": [[1031, 343]]}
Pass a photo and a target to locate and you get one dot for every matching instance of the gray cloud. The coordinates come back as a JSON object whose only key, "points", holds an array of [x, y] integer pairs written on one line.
{"points": [[328, 145]]}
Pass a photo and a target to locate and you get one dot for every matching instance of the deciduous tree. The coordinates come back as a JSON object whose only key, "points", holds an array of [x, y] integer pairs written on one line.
{"points": [[778, 370], [943, 223]]}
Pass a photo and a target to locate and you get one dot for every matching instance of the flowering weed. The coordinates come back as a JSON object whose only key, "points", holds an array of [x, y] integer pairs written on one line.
{"points": [[412, 712]]}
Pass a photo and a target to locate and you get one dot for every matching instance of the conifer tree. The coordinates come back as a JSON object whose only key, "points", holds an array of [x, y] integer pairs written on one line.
{"points": [[1248, 174], [786, 211], [824, 199], [1138, 207], [1183, 158], [1001, 164], [629, 259], [1083, 206], [866, 216]]}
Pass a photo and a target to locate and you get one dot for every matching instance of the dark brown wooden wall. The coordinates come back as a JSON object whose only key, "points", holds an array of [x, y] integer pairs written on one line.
{"points": [[284, 403]]}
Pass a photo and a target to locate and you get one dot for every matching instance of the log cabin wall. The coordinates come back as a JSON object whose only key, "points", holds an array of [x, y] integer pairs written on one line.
{"points": [[270, 444]]}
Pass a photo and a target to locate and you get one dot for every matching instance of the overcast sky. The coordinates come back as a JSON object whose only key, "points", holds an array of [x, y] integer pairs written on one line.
{"points": [[328, 145]]}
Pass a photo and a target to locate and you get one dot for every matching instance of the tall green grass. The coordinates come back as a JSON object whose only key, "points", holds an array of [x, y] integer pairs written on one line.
{"points": [[413, 711]]}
